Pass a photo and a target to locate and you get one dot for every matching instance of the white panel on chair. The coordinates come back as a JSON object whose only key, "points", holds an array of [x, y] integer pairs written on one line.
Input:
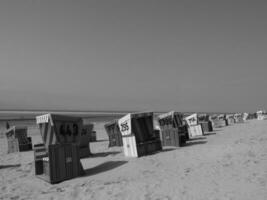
{"points": [[195, 131], [42, 118], [129, 146], [191, 120]]}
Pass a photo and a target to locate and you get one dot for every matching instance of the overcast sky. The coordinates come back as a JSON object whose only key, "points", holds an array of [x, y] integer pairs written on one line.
{"points": [[186, 55]]}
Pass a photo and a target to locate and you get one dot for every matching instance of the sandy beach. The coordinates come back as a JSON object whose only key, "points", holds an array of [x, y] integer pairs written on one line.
{"points": [[229, 164], [183, 64]]}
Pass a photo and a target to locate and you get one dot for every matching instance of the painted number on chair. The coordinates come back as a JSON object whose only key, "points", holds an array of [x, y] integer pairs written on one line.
{"points": [[125, 125]]}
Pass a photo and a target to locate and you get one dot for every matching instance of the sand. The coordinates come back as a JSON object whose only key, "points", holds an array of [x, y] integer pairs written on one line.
{"points": [[231, 164]]}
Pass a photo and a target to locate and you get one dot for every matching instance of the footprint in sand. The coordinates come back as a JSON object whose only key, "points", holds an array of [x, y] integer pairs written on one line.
{"points": [[251, 154], [60, 190], [184, 191], [14, 198], [19, 170], [256, 161], [147, 173], [75, 193], [262, 181], [163, 197], [150, 196], [23, 175], [246, 162], [187, 171]]}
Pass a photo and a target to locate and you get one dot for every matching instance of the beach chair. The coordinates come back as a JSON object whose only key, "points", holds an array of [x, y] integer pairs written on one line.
{"points": [[238, 118], [230, 119], [173, 131], [63, 145], [114, 134], [222, 118], [138, 135], [218, 121], [17, 139], [194, 128], [261, 115], [245, 116], [252, 116], [205, 123]]}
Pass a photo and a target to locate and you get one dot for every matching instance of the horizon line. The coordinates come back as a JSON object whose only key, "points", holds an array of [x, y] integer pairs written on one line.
{"points": [[106, 111]]}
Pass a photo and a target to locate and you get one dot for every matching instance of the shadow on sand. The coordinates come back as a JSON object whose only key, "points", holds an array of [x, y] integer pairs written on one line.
{"points": [[209, 133], [193, 143], [217, 129], [9, 166], [104, 167], [105, 154], [167, 149], [198, 138]]}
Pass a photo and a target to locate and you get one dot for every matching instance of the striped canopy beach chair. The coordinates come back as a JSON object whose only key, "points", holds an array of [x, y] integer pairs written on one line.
{"points": [[194, 128], [205, 123], [17, 139], [58, 158], [173, 131]]}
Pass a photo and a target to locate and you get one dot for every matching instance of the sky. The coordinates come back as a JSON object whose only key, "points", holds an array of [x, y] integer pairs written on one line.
{"points": [[160, 55]]}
